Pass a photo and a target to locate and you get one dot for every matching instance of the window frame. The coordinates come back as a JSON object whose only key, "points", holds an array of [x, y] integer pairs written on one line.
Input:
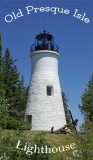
{"points": [[50, 87]]}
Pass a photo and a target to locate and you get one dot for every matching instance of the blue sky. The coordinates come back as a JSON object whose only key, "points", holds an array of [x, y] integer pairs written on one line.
{"points": [[74, 37]]}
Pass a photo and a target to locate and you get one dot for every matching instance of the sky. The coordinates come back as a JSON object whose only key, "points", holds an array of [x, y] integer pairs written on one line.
{"points": [[73, 35]]}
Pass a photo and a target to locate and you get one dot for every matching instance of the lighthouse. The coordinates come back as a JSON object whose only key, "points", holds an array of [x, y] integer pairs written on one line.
{"points": [[44, 108]]}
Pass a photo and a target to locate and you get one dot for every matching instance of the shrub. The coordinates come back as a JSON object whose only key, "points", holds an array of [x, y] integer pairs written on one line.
{"points": [[84, 140], [15, 124], [8, 143]]}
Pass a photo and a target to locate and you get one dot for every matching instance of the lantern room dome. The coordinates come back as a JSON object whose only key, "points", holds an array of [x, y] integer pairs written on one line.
{"points": [[44, 41], [44, 35]]}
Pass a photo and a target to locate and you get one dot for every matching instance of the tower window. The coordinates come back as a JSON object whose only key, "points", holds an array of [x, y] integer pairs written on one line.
{"points": [[49, 90], [29, 118]]}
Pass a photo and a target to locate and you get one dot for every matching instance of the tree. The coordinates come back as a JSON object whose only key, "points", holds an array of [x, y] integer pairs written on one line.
{"points": [[65, 100], [18, 103], [87, 101], [13, 94], [1, 75], [11, 75], [3, 102], [14, 89]]}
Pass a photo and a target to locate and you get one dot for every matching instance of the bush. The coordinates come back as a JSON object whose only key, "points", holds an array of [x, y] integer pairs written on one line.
{"points": [[8, 143], [15, 124], [84, 140]]}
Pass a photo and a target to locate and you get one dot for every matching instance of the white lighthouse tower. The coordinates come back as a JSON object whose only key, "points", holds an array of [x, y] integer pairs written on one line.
{"points": [[44, 108]]}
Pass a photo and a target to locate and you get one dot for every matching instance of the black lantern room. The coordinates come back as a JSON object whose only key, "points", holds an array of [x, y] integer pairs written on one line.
{"points": [[44, 41]]}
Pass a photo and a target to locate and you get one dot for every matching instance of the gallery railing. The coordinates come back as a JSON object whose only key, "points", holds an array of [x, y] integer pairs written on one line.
{"points": [[36, 47]]}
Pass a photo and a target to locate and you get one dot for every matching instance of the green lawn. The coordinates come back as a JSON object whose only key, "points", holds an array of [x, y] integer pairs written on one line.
{"points": [[53, 139]]}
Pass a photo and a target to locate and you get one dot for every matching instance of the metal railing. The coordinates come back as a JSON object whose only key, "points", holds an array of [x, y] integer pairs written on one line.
{"points": [[36, 47]]}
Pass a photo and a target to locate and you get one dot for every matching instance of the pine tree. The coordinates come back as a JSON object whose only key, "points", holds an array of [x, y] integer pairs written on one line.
{"points": [[11, 75], [11, 81], [65, 100], [87, 101], [13, 94], [3, 102], [21, 99], [1, 75], [15, 90]]}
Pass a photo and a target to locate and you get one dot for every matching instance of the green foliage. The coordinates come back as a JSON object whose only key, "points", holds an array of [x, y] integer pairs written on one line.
{"points": [[11, 75], [15, 124], [15, 92], [39, 140], [3, 102], [1, 65], [9, 151], [4, 114], [87, 101], [65, 100], [2, 91], [84, 140]]}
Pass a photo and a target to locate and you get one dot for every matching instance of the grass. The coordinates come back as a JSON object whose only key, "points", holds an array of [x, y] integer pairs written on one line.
{"points": [[53, 139]]}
